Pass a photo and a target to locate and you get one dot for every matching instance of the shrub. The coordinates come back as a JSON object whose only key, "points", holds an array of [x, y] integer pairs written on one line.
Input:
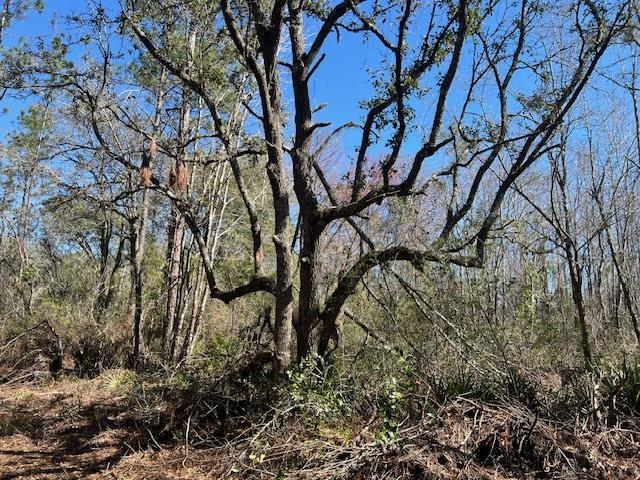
{"points": [[316, 389]]}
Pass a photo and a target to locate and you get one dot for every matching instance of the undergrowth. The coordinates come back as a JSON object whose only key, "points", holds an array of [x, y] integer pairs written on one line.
{"points": [[341, 419]]}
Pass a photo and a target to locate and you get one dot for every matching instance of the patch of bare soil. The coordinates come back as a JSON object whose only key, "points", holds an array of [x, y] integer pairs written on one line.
{"points": [[78, 430], [60, 430]]}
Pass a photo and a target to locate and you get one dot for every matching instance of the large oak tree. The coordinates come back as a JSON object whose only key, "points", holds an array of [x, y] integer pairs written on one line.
{"points": [[467, 96]]}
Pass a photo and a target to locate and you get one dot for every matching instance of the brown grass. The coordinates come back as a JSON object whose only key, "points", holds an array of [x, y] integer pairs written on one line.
{"points": [[80, 429]]}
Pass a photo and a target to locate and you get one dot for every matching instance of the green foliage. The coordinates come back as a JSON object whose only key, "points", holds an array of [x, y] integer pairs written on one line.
{"points": [[18, 9], [217, 352], [29, 274], [315, 388], [391, 406], [621, 387], [317, 8], [121, 382], [461, 383]]}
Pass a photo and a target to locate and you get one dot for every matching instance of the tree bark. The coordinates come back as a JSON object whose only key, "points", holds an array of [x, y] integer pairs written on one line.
{"points": [[308, 300], [137, 239], [138, 227], [575, 276]]}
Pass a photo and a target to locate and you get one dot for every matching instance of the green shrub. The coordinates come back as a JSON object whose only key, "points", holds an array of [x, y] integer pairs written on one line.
{"points": [[620, 387], [315, 388], [462, 383], [392, 405], [121, 382]]}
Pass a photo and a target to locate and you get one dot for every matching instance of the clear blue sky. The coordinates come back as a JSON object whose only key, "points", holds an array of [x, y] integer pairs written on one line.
{"points": [[341, 82], [49, 23]]}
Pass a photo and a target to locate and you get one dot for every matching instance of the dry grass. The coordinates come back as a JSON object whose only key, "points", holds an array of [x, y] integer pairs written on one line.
{"points": [[83, 429]]}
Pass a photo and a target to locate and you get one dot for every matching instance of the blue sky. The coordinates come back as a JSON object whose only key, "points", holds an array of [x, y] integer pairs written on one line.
{"points": [[49, 23], [341, 81]]}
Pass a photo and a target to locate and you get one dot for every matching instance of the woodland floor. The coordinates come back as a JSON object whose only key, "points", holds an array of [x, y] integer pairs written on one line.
{"points": [[77, 429]]}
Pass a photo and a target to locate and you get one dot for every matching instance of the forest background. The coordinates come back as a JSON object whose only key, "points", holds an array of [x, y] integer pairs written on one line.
{"points": [[361, 205]]}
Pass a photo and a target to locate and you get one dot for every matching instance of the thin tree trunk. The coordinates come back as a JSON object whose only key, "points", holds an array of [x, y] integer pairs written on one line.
{"points": [[137, 280], [107, 286], [284, 287], [175, 248], [624, 287], [139, 230], [575, 276]]}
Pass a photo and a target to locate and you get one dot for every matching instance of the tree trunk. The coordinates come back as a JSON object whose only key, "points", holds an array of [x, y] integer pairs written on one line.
{"points": [[172, 324], [107, 280], [175, 249], [138, 227], [308, 301], [284, 292], [624, 286], [575, 275]]}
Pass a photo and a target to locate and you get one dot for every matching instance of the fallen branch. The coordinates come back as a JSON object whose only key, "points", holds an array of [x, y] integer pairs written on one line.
{"points": [[372, 333], [17, 337]]}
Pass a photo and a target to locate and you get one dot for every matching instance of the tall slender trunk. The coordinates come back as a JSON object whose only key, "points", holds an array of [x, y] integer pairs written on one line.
{"points": [[566, 231], [284, 285], [308, 301], [175, 250], [172, 324], [282, 242], [107, 279], [617, 259], [617, 296], [25, 211], [218, 201], [624, 286], [138, 227], [273, 118], [311, 226], [106, 230], [137, 237], [195, 317], [575, 276]]}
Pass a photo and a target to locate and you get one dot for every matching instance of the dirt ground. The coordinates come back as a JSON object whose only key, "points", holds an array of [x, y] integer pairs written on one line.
{"points": [[76, 429]]}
